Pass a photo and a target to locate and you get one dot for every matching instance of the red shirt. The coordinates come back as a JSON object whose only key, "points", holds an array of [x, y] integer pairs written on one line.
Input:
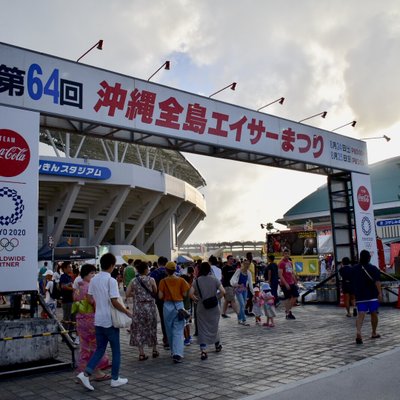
{"points": [[286, 267]]}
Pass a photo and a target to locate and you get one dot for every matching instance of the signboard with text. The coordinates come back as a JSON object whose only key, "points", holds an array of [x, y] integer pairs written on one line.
{"points": [[364, 215], [59, 87], [19, 144], [75, 253], [63, 168], [302, 246]]}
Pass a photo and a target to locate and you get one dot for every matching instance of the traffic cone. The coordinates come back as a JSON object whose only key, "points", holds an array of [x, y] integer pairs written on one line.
{"points": [[398, 298]]}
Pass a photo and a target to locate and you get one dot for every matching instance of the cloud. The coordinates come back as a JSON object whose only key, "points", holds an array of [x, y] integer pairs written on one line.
{"points": [[371, 78], [339, 56]]}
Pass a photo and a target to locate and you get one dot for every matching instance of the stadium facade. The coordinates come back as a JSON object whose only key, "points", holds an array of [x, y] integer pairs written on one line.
{"points": [[102, 192]]}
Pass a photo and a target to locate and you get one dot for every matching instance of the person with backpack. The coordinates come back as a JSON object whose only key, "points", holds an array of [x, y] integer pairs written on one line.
{"points": [[50, 291]]}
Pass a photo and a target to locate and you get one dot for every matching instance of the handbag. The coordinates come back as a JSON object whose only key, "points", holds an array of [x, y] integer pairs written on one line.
{"points": [[118, 318], [182, 313], [210, 302]]}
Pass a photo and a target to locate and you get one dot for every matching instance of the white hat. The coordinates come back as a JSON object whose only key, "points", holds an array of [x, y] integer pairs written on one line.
{"points": [[265, 286], [48, 272]]}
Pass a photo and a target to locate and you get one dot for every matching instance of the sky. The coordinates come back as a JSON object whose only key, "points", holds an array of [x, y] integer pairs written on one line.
{"points": [[340, 56]]}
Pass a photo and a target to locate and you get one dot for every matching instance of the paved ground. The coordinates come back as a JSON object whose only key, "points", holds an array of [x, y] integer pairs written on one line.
{"points": [[255, 362]]}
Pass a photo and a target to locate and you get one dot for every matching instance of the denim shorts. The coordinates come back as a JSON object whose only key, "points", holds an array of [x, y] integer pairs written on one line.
{"points": [[370, 305]]}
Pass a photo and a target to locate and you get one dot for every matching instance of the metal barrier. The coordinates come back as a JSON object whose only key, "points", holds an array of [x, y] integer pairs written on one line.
{"points": [[332, 294], [35, 300]]}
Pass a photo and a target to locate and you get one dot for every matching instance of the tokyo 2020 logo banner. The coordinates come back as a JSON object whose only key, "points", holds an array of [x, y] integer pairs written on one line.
{"points": [[364, 215], [19, 161]]}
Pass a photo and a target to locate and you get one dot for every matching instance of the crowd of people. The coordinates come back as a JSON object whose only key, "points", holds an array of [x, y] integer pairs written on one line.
{"points": [[179, 295]]}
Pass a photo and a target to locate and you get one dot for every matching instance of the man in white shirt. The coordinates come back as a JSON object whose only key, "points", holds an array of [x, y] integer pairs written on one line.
{"points": [[103, 289], [214, 267], [49, 287]]}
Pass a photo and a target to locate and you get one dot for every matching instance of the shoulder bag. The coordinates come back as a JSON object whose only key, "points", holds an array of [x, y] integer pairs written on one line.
{"points": [[208, 303], [150, 292], [119, 319]]}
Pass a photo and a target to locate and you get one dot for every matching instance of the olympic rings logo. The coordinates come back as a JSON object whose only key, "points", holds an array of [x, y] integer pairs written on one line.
{"points": [[8, 244], [366, 226], [18, 206]]}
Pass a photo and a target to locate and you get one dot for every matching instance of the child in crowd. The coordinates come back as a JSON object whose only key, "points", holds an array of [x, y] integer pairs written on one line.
{"points": [[49, 287], [258, 302], [269, 305]]}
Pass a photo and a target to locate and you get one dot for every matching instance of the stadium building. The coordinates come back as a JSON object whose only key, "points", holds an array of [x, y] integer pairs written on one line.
{"points": [[97, 191], [313, 211]]}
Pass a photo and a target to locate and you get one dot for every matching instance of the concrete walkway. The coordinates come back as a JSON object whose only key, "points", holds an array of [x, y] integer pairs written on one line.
{"points": [[313, 357], [373, 378]]}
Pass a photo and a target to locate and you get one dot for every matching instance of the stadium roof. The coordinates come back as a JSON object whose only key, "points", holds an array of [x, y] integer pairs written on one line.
{"points": [[385, 183], [168, 161]]}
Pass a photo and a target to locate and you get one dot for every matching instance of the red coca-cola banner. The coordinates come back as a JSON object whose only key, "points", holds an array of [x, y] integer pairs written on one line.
{"points": [[19, 143], [14, 153]]}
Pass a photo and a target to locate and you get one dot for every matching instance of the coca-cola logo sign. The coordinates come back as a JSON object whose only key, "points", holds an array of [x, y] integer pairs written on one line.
{"points": [[14, 153], [363, 198]]}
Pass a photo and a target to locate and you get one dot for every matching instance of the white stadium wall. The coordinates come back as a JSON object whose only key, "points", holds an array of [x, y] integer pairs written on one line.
{"points": [[150, 209]]}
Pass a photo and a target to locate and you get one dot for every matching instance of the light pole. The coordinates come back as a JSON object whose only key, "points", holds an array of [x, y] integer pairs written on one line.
{"points": [[387, 138], [98, 45], [231, 86], [352, 123], [166, 66], [280, 101], [322, 114]]}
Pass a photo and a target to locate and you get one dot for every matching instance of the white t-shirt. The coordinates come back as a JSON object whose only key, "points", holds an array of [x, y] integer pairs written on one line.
{"points": [[78, 279], [103, 288], [217, 272], [56, 277], [49, 288]]}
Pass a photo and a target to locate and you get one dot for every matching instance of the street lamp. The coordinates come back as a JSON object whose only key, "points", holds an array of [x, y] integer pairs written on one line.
{"points": [[352, 123], [387, 138], [280, 101], [322, 114], [231, 86], [166, 66], [98, 45]]}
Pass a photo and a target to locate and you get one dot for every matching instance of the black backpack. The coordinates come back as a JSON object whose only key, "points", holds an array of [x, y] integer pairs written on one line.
{"points": [[55, 293]]}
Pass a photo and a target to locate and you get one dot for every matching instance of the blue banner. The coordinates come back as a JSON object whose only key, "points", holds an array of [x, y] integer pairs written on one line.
{"points": [[73, 170], [388, 222]]}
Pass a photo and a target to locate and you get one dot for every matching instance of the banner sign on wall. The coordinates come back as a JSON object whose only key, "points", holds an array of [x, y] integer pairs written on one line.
{"points": [[297, 242], [61, 168], [39, 82], [364, 215], [75, 253], [19, 144], [302, 246]]}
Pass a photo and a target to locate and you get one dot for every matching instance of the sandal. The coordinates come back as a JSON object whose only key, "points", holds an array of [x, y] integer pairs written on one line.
{"points": [[218, 348], [104, 377], [143, 357], [204, 355], [155, 354], [376, 336], [359, 340]]}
